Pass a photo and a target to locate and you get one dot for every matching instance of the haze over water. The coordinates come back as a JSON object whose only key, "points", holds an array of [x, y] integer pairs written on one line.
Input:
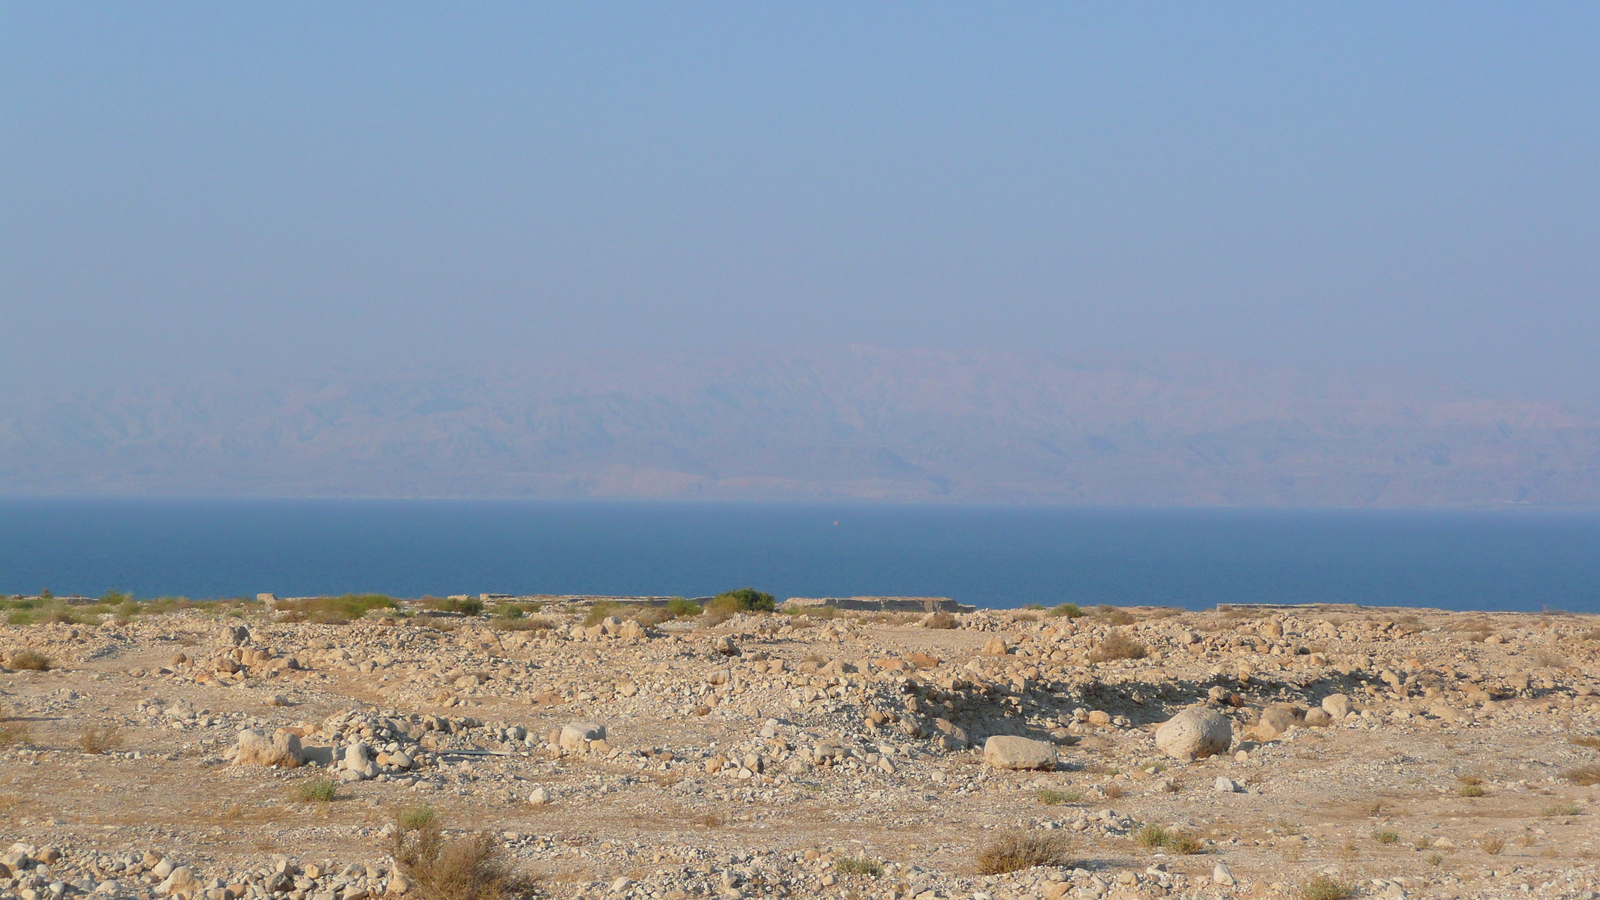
{"points": [[983, 555]]}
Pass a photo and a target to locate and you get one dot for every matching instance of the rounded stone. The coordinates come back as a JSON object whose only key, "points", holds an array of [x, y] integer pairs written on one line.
{"points": [[1195, 733]]}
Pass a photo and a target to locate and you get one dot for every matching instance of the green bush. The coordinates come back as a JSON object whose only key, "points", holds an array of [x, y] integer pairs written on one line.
{"points": [[681, 608], [317, 790], [468, 606], [1067, 610], [746, 600], [1051, 797], [855, 865], [598, 612]]}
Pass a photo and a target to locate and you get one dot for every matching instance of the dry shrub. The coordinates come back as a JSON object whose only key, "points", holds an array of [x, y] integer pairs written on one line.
{"points": [[1113, 615], [1013, 851], [470, 867], [708, 820], [1185, 843], [1324, 888], [11, 733], [1587, 740], [651, 616], [940, 620], [531, 623], [1585, 776], [1112, 791], [1117, 645], [889, 618], [1547, 659], [333, 610], [30, 660], [715, 614], [1492, 844], [99, 739], [1592, 634]]}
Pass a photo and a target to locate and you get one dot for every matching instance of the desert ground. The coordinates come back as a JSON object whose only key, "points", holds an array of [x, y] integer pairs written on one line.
{"points": [[557, 749]]}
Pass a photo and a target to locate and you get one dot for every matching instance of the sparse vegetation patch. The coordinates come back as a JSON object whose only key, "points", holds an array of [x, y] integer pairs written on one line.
{"points": [[1012, 851]]}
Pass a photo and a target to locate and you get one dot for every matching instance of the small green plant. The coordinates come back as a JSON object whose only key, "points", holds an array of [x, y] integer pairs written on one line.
{"points": [[1052, 797], [1471, 786], [1324, 888], [1065, 610], [317, 790], [1151, 836], [30, 660], [1564, 809], [1013, 851], [1434, 859], [856, 865], [1386, 836], [417, 818]]}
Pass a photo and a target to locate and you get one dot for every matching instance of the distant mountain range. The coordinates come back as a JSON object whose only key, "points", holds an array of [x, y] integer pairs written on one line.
{"points": [[860, 423]]}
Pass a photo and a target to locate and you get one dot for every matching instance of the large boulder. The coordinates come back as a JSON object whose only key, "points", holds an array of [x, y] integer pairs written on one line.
{"points": [[1005, 751], [577, 735], [181, 884], [1195, 733], [1336, 705], [1275, 720], [257, 748]]}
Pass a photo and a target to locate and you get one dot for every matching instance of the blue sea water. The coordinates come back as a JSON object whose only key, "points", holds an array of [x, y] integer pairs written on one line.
{"points": [[989, 556]]}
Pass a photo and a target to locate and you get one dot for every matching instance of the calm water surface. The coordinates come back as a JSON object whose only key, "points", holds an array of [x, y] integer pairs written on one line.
{"points": [[988, 556]]}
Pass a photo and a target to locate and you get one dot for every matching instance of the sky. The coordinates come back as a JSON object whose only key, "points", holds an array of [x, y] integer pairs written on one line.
{"points": [[188, 187]]}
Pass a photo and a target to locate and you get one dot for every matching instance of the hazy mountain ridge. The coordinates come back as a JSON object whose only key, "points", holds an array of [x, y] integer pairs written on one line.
{"points": [[855, 422]]}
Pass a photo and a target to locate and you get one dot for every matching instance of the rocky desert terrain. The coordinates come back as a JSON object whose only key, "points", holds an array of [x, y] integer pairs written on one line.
{"points": [[340, 750]]}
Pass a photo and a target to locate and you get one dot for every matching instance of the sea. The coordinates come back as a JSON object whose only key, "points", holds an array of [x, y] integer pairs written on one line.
{"points": [[987, 556]]}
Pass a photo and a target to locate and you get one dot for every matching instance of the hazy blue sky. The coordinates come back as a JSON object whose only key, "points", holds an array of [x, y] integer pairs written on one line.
{"points": [[198, 185]]}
